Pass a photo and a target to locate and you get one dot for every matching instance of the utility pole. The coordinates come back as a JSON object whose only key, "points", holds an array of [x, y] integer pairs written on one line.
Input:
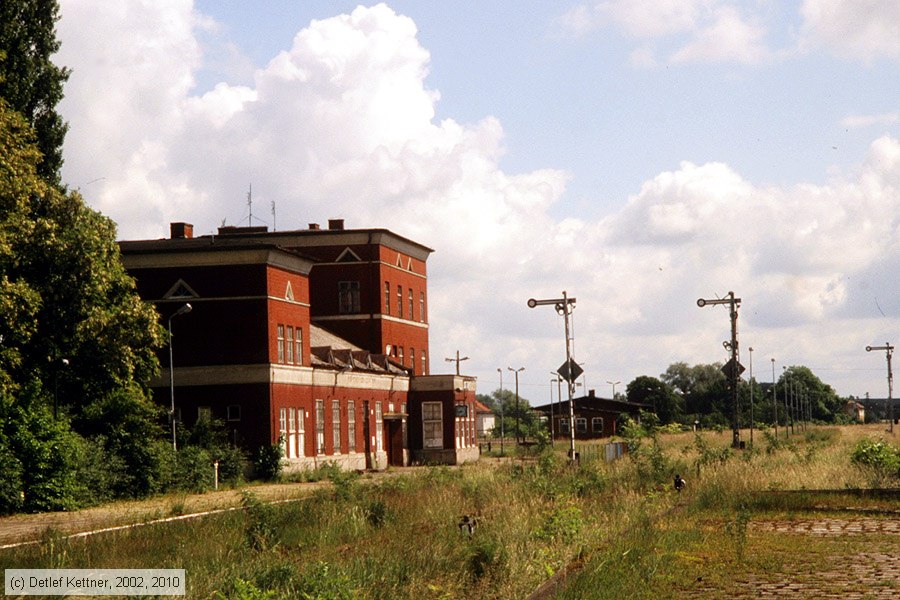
{"points": [[733, 368], [787, 411], [457, 360], [889, 351], [751, 396]]}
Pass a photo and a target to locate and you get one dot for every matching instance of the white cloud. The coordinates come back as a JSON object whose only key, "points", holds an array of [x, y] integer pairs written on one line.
{"points": [[643, 19], [861, 121], [866, 30], [728, 38], [342, 125]]}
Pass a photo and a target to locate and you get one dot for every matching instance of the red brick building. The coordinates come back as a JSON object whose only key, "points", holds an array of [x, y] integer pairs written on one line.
{"points": [[316, 339]]}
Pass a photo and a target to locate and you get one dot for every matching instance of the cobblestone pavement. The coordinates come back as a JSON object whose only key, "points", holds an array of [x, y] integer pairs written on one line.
{"points": [[869, 575]]}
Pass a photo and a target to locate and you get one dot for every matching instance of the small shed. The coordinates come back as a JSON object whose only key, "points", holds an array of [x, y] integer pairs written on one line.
{"points": [[485, 420]]}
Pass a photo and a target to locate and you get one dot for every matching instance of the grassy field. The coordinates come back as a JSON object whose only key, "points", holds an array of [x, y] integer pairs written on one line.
{"points": [[622, 527]]}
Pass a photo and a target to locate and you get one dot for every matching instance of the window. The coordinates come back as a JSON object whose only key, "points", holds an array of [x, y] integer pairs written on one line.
{"points": [[564, 425], [281, 343], [424, 364], [412, 360], [421, 307], [348, 297], [336, 425], [432, 425], [292, 433], [597, 424], [301, 432], [351, 426], [411, 318], [400, 301], [320, 427], [387, 297], [379, 428], [581, 425], [282, 428], [289, 346], [204, 413], [400, 354], [298, 346], [234, 412]]}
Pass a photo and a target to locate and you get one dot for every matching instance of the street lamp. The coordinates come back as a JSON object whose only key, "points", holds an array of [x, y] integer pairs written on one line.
{"points": [[889, 350], [774, 399], [751, 396], [614, 384], [499, 370], [186, 308], [517, 371]]}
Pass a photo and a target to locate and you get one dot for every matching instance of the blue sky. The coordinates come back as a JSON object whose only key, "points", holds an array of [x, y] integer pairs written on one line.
{"points": [[638, 154]]}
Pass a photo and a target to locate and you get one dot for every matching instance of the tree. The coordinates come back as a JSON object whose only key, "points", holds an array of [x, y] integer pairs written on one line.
{"points": [[703, 387], [503, 403], [29, 81], [649, 390], [76, 342]]}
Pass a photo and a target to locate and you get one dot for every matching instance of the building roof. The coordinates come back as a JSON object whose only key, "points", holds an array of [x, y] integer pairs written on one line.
{"points": [[332, 352], [481, 407], [589, 403]]}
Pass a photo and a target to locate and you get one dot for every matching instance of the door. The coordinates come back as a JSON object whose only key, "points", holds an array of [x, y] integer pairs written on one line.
{"points": [[394, 442]]}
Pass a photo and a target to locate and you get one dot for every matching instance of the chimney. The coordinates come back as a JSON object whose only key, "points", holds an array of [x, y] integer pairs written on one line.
{"points": [[181, 231], [591, 393], [336, 224], [314, 227]]}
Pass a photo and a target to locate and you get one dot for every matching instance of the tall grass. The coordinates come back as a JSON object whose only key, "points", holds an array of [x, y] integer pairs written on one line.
{"points": [[401, 537]]}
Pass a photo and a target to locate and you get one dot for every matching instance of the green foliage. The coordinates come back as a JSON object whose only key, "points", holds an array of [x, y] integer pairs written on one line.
{"points": [[325, 582], [563, 522], [267, 462], [709, 456], [879, 460], [665, 403], [244, 590], [29, 81], [487, 557], [261, 529]]}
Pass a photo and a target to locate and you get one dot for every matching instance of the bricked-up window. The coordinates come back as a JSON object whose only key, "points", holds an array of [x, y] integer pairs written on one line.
{"points": [[400, 301], [336, 425], [597, 424], [289, 346], [348, 297], [281, 343], [432, 425], [421, 307], [411, 318], [320, 427], [351, 426], [387, 297], [298, 346]]}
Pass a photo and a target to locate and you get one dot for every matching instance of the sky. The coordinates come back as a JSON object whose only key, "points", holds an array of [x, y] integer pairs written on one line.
{"points": [[634, 154]]}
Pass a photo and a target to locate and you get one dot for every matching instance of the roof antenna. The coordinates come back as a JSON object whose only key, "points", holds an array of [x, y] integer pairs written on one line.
{"points": [[250, 203], [274, 222]]}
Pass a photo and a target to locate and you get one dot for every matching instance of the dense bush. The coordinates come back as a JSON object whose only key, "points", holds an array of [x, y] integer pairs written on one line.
{"points": [[879, 460]]}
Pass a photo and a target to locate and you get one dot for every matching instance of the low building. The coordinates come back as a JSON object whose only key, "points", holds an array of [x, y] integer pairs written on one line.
{"points": [[855, 411], [594, 417], [485, 420], [313, 339]]}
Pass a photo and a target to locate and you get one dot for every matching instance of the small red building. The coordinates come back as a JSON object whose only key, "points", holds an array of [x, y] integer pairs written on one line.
{"points": [[315, 339]]}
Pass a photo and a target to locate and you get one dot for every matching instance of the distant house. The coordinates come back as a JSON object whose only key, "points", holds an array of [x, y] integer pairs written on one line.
{"points": [[855, 410], [594, 417], [485, 420]]}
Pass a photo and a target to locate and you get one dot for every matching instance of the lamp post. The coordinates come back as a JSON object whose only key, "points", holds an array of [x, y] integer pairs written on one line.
{"points": [[774, 399], [889, 350], [788, 416], [516, 371], [570, 370], [613, 384], [751, 396], [733, 368], [186, 308], [499, 370]]}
